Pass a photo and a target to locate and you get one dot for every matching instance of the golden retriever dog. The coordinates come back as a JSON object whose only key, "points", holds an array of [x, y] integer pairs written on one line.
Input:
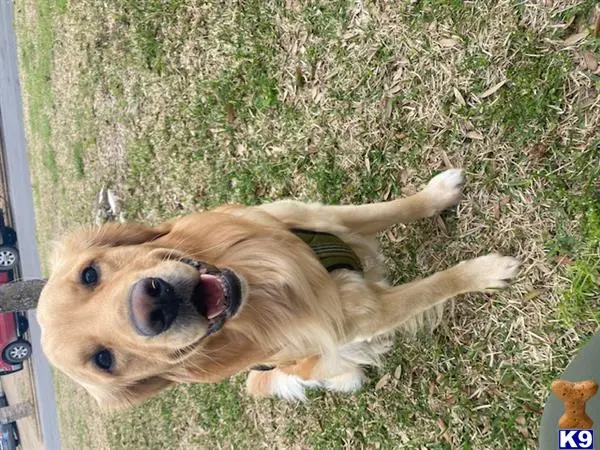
{"points": [[130, 309]]}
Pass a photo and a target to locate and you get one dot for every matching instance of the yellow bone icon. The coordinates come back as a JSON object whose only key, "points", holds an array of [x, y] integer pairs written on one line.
{"points": [[574, 396]]}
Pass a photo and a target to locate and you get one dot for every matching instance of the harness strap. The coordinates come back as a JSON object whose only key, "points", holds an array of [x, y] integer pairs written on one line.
{"points": [[262, 367], [333, 253]]}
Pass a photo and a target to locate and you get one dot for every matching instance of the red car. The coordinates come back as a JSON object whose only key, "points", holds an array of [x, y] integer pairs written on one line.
{"points": [[14, 349]]}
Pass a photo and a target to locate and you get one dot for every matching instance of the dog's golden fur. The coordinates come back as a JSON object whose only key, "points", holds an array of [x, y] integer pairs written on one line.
{"points": [[318, 328]]}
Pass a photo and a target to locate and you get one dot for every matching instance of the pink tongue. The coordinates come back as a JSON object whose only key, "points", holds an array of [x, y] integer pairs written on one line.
{"points": [[213, 295]]}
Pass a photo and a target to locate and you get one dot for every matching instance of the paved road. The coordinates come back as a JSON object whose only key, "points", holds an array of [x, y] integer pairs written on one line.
{"points": [[22, 213]]}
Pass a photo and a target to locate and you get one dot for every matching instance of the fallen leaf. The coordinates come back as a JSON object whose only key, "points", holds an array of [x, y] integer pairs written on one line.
{"points": [[492, 90], [446, 160], [384, 381], [441, 424], [531, 295], [448, 43], [459, 98], [447, 438], [538, 151], [475, 135], [521, 420], [575, 38], [496, 392], [300, 81], [230, 113], [441, 225], [497, 211], [468, 125], [391, 236], [398, 372], [563, 260], [589, 60], [524, 431]]}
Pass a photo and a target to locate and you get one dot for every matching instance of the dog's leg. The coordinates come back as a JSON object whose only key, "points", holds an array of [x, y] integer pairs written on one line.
{"points": [[333, 372], [401, 303], [443, 191], [373, 310], [288, 382]]}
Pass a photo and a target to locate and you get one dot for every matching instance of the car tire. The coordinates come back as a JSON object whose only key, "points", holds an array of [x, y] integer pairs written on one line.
{"points": [[23, 324], [10, 237], [9, 258], [16, 352]]}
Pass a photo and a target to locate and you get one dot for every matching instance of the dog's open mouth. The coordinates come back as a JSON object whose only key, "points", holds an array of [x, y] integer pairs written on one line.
{"points": [[214, 295], [218, 294]]}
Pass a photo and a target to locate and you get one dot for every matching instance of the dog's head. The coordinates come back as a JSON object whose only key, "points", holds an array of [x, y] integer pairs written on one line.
{"points": [[129, 309]]}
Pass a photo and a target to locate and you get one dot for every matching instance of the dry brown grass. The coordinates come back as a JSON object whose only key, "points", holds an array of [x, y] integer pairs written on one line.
{"points": [[346, 102]]}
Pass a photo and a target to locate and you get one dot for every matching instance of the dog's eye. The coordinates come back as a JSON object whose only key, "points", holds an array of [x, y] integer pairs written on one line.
{"points": [[104, 360], [89, 276]]}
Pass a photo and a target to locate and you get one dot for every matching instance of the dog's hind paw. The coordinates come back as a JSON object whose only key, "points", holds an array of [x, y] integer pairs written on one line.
{"points": [[346, 382], [279, 384], [445, 190]]}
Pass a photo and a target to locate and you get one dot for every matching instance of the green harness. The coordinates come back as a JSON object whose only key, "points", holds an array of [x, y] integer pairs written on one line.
{"points": [[333, 253]]}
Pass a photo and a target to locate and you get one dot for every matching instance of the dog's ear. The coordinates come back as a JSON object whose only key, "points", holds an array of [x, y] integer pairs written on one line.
{"points": [[127, 396], [114, 234], [111, 234]]}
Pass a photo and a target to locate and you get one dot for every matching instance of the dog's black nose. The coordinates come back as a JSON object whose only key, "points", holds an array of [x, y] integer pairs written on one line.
{"points": [[153, 306]]}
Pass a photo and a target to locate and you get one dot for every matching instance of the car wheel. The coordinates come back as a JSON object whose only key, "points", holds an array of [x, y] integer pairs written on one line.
{"points": [[16, 352], [10, 237], [9, 257], [23, 323]]}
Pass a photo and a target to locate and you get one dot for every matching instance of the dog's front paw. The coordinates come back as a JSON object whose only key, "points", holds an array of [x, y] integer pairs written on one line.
{"points": [[491, 271], [445, 190]]}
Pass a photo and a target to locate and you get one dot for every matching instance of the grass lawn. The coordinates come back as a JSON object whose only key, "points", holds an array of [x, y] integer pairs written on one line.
{"points": [[180, 105]]}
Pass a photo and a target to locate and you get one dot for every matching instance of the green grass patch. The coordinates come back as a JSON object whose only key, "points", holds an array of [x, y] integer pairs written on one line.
{"points": [[78, 163], [581, 300]]}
